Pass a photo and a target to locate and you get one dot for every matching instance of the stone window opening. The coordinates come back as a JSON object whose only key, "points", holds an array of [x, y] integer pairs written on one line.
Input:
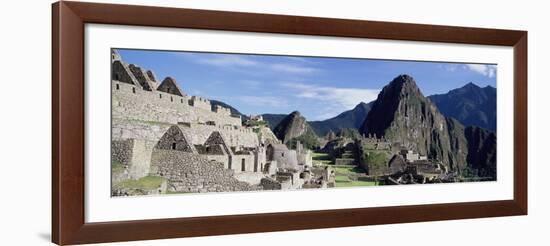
{"points": [[173, 146], [181, 100], [160, 95], [171, 99], [134, 90], [283, 154], [243, 166], [117, 86]]}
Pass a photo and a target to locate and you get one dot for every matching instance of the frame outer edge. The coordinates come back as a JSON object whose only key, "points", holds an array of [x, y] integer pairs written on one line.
{"points": [[68, 125], [521, 124], [140, 15], [68, 224], [55, 130]]}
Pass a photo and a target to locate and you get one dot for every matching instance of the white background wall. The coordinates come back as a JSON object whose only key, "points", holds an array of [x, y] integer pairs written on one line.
{"points": [[25, 122]]}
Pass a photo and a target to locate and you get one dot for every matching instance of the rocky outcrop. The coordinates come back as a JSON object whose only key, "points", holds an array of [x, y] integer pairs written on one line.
{"points": [[295, 126], [481, 151], [402, 114]]}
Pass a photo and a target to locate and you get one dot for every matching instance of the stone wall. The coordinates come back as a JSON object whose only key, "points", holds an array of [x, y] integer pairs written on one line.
{"points": [[305, 158], [270, 184], [199, 102], [121, 151], [198, 133], [135, 153], [189, 172], [241, 162], [286, 159], [131, 102], [270, 168], [250, 178]]}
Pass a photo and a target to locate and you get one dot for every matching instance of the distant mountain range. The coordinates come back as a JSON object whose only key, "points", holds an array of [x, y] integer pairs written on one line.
{"points": [[234, 111], [352, 118], [470, 104], [273, 119], [349, 119]]}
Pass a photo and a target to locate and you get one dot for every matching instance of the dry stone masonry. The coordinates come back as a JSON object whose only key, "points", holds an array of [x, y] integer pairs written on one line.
{"points": [[158, 130]]}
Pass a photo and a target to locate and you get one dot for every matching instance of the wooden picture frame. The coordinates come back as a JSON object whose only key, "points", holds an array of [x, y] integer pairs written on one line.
{"points": [[68, 122]]}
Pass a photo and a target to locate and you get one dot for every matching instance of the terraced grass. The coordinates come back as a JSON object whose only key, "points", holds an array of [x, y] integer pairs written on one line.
{"points": [[356, 183], [344, 176], [321, 159], [346, 170]]}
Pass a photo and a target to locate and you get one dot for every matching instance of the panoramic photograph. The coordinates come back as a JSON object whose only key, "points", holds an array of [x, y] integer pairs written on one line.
{"points": [[200, 122]]}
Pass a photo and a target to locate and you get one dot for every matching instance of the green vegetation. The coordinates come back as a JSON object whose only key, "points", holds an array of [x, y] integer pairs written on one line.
{"points": [[146, 183], [117, 167], [321, 159], [376, 160], [347, 170], [309, 141], [351, 176], [355, 183], [252, 123], [349, 133]]}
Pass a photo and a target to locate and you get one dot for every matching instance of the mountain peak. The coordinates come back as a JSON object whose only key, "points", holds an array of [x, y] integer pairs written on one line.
{"points": [[292, 126], [471, 85], [296, 113], [404, 84], [403, 79], [470, 104], [361, 104], [403, 115]]}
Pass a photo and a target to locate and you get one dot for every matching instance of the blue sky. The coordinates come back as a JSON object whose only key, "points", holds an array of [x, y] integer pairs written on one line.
{"points": [[318, 87]]}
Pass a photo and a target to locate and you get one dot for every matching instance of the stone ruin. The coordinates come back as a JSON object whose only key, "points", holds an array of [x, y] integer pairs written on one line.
{"points": [[159, 130]]}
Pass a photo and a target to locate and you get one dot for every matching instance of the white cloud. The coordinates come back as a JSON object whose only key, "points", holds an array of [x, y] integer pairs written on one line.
{"points": [[241, 61], [336, 99], [288, 68], [228, 60], [485, 70], [449, 67], [264, 101]]}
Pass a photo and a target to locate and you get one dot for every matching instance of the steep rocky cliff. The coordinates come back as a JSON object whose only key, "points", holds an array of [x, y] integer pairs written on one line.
{"points": [[295, 127], [481, 151], [402, 114]]}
